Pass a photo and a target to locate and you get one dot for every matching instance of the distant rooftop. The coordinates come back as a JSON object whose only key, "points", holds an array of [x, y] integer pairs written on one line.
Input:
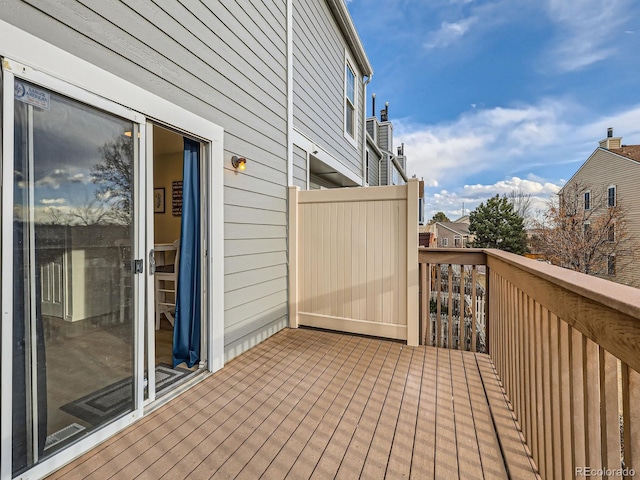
{"points": [[629, 151]]}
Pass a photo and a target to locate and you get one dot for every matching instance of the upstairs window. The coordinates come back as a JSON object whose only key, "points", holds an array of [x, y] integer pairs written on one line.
{"points": [[349, 102], [444, 242], [457, 241], [611, 196], [587, 200], [611, 265]]}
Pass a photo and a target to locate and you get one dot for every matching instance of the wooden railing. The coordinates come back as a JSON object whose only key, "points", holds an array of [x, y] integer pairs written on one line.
{"points": [[566, 347], [453, 299]]}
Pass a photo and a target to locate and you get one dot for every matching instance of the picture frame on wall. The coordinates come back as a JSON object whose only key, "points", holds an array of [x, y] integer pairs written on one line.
{"points": [[158, 200]]}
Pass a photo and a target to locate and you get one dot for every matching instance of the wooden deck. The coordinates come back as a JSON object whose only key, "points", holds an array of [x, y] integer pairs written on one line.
{"points": [[314, 404]]}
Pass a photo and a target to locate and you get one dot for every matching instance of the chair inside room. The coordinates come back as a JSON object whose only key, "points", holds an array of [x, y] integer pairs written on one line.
{"points": [[166, 286]]}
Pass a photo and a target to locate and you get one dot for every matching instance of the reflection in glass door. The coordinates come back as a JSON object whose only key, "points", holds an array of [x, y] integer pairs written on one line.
{"points": [[73, 267]]}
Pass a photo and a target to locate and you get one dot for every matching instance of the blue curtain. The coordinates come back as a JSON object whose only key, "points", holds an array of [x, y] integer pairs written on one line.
{"points": [[186, 329]]}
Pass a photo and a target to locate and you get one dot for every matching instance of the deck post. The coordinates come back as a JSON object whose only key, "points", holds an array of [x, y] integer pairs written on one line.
{"points": [[293, 256], [413, 321]]}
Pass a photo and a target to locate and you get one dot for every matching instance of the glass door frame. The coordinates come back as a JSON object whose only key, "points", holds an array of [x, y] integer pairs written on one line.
{"points": [[11, 71], [34, 52], [206, 345]]}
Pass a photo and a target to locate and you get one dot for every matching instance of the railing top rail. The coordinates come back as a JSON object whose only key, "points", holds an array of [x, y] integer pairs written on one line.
{"points": [[619, 297], [455, 256]]}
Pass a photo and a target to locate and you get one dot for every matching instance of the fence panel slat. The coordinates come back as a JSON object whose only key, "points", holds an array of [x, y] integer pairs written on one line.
{"points": [[474, 312], [450, 306], [566, 394], [610, 411], [592, 424], [556, 397], [631, 417]]}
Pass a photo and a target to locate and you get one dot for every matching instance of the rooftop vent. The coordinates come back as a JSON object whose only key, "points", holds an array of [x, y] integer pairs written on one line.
{"points": [[384, 114]]}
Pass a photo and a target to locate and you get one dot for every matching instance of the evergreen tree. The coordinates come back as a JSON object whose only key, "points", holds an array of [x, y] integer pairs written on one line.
{"points": [[439, 217], [496, 225]]}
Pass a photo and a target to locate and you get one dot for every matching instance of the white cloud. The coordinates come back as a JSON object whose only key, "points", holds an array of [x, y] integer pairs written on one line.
{"points": [[53, 201], [492, 151], [449, 33], [470, 196], [480, 140], [80, 178], [509, 141], [586, 30]]}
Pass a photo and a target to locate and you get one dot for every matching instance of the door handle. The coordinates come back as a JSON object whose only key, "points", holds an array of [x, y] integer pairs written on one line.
{"points": [[152, 262]]}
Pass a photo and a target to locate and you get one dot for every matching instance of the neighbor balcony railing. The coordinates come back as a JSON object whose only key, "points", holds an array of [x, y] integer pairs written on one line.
{"points": [[565, 345]]}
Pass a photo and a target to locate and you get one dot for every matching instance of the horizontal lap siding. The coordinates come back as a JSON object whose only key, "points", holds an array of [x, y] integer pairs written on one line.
{"points": [[299, 167], [222, 60], [318, 82], [374, 165], [604, 169]]}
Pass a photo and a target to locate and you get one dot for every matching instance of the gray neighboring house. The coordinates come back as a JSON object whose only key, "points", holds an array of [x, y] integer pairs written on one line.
{"points": [[281, 84], [452, 234], [614, 168], [382, 166]]}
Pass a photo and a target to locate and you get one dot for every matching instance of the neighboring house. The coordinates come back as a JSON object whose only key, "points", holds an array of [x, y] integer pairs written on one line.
{"points": [[613, 169], [452, 234], [384, 167], [250, 96]]}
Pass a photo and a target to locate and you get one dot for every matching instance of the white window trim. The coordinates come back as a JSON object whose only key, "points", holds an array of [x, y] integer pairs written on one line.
{"points": [[615, 196], [444, 242], [26, 55], [612, 230], [584, 197], [367, 167], [348, 62]]}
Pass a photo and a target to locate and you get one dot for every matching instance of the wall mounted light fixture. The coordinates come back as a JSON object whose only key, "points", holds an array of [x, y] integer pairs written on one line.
{"points": [[239, 162]]}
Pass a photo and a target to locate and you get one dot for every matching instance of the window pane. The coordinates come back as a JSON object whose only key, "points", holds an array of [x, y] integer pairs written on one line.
{"points": [[612, 196], [73, 229], [351, 84], [349, 120]]}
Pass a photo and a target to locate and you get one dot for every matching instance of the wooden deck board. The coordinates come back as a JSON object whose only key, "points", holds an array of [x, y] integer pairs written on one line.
{"points": [[513, 449], [314, 404]]}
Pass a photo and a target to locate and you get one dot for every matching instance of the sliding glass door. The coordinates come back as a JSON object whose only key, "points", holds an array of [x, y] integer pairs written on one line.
{"points": [[76, 296]]}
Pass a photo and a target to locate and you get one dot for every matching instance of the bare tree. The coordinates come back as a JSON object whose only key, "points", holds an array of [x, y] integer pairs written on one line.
{"points": [[91, 212], [589, 237], [114, 177], [521, 202]]}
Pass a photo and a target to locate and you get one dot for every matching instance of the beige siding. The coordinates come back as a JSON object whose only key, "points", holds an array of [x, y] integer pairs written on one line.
{"points": [[604, 169]]}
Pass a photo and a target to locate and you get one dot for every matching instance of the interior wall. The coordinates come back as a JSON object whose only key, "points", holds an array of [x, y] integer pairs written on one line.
{"points": [[166, 169]]}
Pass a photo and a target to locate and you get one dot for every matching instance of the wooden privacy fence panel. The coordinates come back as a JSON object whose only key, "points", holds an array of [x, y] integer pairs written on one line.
{"points": [[567, 349], [453, 299], [353, 260]]}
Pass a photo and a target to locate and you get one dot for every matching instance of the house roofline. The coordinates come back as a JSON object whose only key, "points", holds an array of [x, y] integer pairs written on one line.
{"points": [[372, 142], [452, 229], [587, 161], [341, 13]]}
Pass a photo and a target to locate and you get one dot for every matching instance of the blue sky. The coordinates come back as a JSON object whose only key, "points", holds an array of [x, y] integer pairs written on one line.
{"points": [[500, 94]]}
